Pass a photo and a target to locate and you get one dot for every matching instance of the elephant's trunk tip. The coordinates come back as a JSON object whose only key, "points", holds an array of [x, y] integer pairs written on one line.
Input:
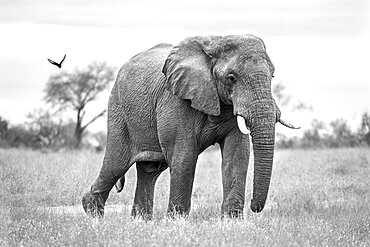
{"points": [[256, 206]]}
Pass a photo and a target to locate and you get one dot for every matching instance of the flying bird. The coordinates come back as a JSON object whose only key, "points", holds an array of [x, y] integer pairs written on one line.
{"points": [[59, 65]]}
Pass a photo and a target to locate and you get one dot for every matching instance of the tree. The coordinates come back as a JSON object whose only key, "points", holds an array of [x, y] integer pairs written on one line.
{"points": [[15, 136], [365, 128], [44, 127], [342, 136], [314, 136], [3, 127], [73, 91], [302, 106], [285, 100], [96, 141], [282, 98], [19, 136]]}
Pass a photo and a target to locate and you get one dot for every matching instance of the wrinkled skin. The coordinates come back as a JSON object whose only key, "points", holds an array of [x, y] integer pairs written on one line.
{"points": [[170, 103]]}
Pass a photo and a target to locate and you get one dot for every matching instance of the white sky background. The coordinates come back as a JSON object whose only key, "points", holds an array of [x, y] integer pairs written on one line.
{"points": [[320, 48]]}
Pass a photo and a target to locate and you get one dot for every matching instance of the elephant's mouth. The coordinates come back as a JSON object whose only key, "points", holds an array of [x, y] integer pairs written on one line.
{"points": [[242, 125]]}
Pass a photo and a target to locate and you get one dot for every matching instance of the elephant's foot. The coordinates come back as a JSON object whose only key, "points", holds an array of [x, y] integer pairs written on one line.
{"points": [[232, 209], [175, 211], [233, 214], [140, 212], [93, 205]]}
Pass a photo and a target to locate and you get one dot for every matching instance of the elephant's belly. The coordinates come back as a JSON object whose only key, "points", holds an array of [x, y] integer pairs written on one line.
{"points": [[141, 122], [143, 135], [148, 156]]}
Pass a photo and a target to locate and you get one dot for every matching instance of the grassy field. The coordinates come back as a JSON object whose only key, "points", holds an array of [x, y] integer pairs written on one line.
{"points": [[317, 198]]}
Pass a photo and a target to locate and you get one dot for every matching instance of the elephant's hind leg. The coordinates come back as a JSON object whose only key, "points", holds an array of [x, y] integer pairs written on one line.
{"points": [[147, 175], [93, 201], [115, 164]]}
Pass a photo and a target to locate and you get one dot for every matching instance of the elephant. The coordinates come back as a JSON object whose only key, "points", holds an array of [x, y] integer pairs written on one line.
{"points": [[169, 103]]}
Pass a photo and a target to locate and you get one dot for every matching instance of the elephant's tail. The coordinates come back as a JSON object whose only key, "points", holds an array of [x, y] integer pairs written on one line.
{"points": [[120, 184]]}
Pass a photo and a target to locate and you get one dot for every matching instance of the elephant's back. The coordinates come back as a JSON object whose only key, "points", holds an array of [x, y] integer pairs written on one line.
{"points": [[141, 78], [144, 68], [139, 83]]}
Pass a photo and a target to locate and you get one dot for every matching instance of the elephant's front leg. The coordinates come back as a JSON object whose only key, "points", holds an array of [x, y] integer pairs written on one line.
{"points": [[235, 159], [147, 175], [182, 170]]}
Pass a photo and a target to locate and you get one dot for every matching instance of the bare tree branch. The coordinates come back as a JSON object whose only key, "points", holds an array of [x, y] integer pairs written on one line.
{"points": [[93, 119]]}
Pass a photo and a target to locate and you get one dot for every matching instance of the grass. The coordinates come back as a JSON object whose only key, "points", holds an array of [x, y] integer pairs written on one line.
{"points": [[316, 198]]}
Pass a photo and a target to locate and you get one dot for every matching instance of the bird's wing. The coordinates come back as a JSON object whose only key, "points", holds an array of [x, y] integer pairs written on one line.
{"points": [[52, 62], [63, 59]]}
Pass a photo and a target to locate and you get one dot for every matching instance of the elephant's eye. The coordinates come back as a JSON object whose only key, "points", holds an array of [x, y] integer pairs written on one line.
{"points": [[231, 78]]}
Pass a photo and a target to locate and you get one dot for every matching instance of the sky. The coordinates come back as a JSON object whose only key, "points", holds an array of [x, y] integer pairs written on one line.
{"points": [[320, 48]]}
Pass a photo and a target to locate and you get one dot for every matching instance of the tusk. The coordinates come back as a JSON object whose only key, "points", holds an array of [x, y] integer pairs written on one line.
{"points": [[242, 126], [288, 124]]}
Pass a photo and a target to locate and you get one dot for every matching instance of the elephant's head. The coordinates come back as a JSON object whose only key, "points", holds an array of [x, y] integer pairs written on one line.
{"points": [[237, 71]]}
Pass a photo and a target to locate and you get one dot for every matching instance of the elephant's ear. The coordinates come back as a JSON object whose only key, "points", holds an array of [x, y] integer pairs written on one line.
{"points": [[189, 76]]}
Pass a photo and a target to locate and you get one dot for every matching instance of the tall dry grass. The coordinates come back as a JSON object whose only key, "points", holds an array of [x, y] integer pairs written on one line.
{"points": [[317, 198]]}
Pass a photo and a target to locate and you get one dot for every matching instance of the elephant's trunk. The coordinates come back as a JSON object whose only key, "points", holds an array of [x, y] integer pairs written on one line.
{"points": [[262, 131], [257, 107], [263, 139]]}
